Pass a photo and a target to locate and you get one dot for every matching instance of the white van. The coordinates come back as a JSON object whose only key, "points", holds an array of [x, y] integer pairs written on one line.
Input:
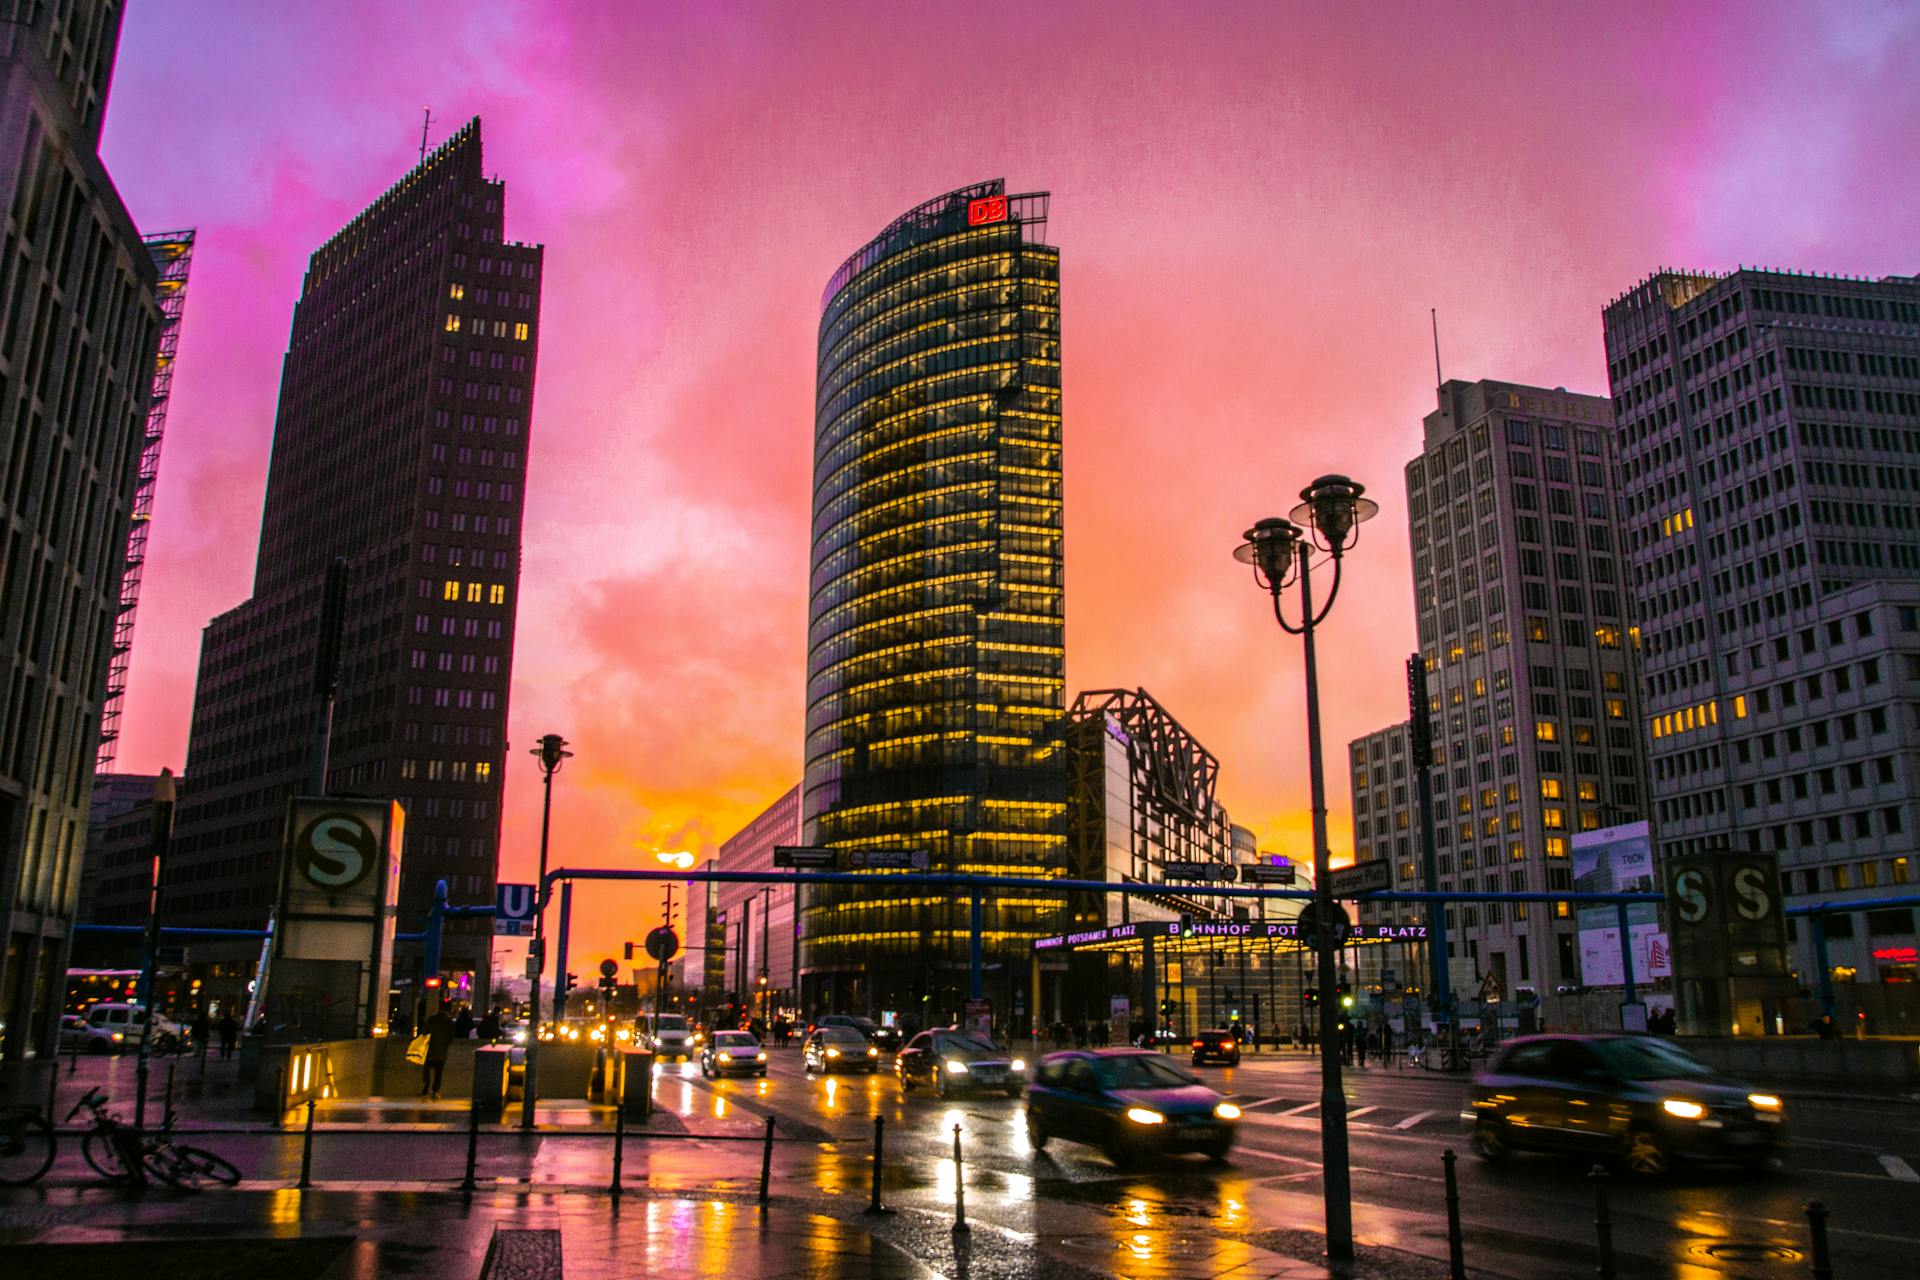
{"points": [[113, 1027]]}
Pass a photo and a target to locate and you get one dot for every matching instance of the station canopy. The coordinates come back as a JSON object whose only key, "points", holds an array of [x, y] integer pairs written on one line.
{"points": [[1177, 937]]}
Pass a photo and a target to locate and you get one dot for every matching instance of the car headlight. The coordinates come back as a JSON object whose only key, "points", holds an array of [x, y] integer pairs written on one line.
{"points": [[119, 1035], [761, 1056], [519, 1037], [1140, 1115], [623, 1034], [1763, 1101], [833, 1053], [726, 1057], [1681, 1107], [1018, 1064], [1227, 1111], [956, 1067]]}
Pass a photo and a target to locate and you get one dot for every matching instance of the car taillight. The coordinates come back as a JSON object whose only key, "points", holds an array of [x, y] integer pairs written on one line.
{"points": [[1199, 1044]]}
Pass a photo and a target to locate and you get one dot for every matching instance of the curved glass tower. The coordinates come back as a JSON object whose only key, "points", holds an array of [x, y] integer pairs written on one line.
{"points": [[935, 659]]}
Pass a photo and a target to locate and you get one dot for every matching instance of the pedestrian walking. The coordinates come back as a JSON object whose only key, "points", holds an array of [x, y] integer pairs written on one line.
{"points": [[490, 1026], [463, 1024], [229, 1032], [439, 1036], [1359, 1039], [200, 1029]]}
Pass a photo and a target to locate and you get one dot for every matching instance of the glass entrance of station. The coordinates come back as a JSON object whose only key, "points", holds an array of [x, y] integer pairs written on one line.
{"points": [[1106, 986]]}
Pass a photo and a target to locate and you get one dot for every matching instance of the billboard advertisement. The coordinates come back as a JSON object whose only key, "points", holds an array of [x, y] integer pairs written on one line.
{"points": [[1618, 860]]}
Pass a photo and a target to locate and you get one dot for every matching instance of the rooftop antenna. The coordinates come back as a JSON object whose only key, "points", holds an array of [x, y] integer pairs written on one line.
{"points": [[426, 114], [1439, 382]]}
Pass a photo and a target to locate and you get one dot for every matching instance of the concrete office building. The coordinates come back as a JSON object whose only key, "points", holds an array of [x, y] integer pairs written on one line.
{"points": [[1526, 632], [76, 369], [754, 923], [400, 448], [1769, 437]]}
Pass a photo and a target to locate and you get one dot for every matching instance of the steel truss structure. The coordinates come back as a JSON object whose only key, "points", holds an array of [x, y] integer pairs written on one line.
{"points": [[172, 254]]}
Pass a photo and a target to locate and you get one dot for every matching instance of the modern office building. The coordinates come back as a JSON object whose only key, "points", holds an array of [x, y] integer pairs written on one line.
{"points": [[400, 448], [76, 367], [935, 659], [750, 955], [1526, 630], [172, 254], [1769, 436]]}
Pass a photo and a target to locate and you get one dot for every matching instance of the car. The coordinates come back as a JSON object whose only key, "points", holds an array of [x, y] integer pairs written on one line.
{"points": [[1639, 1099], [886, 1039], [73, 1033], [1216, 1046], [865, 1026], [1130, 1103], [113, 1027], [733, 1053], [950, 1060], [828, 1049], [665, 1035]]}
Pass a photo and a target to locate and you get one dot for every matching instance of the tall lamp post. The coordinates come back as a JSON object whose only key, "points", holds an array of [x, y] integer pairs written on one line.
{"points": [[1281, 552], [163, 795], [552, 753]]}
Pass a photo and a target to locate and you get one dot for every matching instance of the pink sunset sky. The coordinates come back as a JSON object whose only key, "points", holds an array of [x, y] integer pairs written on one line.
{"points": [[1256, 204]]}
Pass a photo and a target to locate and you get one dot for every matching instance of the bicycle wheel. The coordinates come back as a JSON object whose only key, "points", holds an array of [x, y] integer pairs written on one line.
{"points": [[103, 1155], [163, 1160], [26, 1147], [211, 1168]]}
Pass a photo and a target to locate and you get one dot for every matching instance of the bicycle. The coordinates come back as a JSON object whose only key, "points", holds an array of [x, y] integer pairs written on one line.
{"points": [[119, 1152], [26, 1146]]}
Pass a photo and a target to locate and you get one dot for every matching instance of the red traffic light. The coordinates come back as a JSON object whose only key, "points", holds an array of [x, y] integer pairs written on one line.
{"points": [[432, 983]]}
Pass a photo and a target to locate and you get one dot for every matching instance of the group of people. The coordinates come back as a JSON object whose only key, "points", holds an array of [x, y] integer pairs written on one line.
{"points": [[201, 1030], [1079, 1035]]}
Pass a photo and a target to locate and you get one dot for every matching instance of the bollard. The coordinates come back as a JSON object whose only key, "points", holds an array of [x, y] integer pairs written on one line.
{"points": [[619, 1142], [879, 1146], [166, 1114], [1817, 1224], [766, 1161], [473, 1147], [73, 1062], [1602, 1221], [959, 1187], [1456, 1258], [306, 1151]]}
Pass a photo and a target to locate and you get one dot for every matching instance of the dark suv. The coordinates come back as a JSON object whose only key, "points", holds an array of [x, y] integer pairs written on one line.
{"points": [[1636, 1098], [1216, 1046]]}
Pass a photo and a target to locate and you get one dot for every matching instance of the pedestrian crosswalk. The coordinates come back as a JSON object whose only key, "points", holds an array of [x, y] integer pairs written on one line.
{"points": [[1281, 1110]]}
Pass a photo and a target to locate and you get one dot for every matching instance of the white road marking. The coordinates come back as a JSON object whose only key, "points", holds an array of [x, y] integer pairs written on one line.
{"points": [[1361, 1111], [1414, 1119], [1260, 1102], [1303, 1107], [1898, 1168]]}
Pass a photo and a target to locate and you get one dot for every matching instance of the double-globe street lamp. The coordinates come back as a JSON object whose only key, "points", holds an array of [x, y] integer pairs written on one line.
{"points": [[1281, 552], [552, 753]]}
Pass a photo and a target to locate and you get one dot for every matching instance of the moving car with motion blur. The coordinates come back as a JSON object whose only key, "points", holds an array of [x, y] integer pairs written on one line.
{"points": [[1639, 1099], [949, 1061], [1216, 1046], [732, 1053], [837, 1049], [1130, 1103]]}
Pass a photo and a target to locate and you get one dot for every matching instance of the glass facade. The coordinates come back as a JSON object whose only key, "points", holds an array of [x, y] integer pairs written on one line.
{"points": [[935, 661]]}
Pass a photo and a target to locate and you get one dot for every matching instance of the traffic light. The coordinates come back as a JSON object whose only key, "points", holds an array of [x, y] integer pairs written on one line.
{"points": [[1310, 998], [629, 951], [566, 988], [1346, 996]]}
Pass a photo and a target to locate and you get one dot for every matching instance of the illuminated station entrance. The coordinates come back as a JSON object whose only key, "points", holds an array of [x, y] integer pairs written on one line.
{"points": [[1198, 975]]}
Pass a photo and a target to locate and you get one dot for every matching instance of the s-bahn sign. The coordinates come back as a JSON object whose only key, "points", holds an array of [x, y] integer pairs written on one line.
{"points": [[1252, 930], [339, 877]]}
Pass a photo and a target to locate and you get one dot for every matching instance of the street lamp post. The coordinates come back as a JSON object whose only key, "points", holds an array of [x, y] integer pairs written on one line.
{"points": [[551, 753], [163, 796], [1281, 553]]}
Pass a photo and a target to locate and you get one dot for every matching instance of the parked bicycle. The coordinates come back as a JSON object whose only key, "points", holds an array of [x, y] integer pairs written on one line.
{"points": [[26, 1146], [119, 1152]]}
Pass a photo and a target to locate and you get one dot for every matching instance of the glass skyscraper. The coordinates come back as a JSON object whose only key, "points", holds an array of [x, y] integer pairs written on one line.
{"points": [[935, 661]]}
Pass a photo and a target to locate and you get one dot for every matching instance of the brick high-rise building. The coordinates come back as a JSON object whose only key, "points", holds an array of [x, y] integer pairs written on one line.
{"points": [[1521, 594], [1769, 434], [400, 446], [76, 367]]}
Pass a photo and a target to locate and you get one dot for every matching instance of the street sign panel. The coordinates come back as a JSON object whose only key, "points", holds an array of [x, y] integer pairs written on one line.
{"points": [[608, 968], [662, 944], [513, 910], [1281, 872], [890, 859], [1337, 923], [796, 855], [1361, 877]]}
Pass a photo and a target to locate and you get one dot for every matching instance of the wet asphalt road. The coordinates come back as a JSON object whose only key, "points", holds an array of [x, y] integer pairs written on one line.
{"points": [[1531, 1216]]}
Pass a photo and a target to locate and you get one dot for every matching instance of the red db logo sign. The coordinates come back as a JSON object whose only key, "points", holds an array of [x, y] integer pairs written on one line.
{"points": [[991, 209]]}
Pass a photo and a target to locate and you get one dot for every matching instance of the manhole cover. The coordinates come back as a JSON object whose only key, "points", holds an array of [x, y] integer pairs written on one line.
{"points": [[1734, 1251]]}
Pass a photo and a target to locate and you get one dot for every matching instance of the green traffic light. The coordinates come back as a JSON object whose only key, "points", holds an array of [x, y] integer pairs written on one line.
{"points": [[1346, 1001]]}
